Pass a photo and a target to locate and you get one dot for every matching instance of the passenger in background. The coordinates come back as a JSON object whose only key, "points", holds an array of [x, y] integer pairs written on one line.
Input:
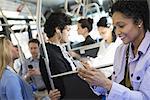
{"points": [[84, 28], [55, 27], [107, 32], [12, 87], [108, 45], [31, 72]]}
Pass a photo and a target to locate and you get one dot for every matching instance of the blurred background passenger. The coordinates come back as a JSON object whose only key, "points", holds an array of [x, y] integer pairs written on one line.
{"points": [[31, 72], [18, 89], [107, 33], [109, 43], [85, 26]]}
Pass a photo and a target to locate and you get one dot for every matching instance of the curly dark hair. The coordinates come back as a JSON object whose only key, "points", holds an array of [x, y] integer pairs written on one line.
{"points": [[135, 9], [56, 20], [86, 23]]}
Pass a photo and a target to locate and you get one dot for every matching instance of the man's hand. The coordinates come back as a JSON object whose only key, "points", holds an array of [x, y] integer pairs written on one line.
{"points": [[54, 94], [33, 71]]}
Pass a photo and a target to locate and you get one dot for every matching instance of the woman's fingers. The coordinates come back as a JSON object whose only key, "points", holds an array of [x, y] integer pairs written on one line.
{"points": [[86, 74], [92, 76], [86, 64]]}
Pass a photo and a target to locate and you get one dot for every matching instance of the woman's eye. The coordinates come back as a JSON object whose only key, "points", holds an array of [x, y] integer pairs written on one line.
{"points": [[121, 26]]}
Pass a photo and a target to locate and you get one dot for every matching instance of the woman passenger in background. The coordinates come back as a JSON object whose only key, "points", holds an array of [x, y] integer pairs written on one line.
{"points": [[85, 26], [130, 79], [106, 30], [109, 43]]}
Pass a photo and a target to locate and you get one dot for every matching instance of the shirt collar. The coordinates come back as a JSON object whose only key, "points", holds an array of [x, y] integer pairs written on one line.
{"points": [[31, 58], [11, 69], [145, 43], [142, 48]]}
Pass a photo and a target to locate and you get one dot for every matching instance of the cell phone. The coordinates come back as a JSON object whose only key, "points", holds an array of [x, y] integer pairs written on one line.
{"points": [[30, 66]]}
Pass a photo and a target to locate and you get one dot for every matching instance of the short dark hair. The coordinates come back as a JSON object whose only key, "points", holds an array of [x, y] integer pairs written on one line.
{"points": [[86, 23], [56, 20], [34, 41], [103, 22], [135, 9]]}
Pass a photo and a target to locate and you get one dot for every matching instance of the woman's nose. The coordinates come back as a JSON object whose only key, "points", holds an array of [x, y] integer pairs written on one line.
{"points": [[118, 31]]}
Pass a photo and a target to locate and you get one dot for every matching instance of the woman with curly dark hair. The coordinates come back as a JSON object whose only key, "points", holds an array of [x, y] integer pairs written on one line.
{"points": [[130, 79]]}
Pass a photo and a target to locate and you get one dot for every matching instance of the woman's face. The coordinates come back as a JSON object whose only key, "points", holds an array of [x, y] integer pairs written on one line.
{"points": [[105, 32], [15, 52], [126, 29], [11, 53], [81, 31]]}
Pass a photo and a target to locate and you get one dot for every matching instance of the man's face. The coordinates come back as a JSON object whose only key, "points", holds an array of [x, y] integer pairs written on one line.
{"points": [[34, 49], [65, 34]]}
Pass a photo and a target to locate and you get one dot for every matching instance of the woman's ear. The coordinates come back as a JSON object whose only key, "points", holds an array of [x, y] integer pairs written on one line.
{"points": [[140, 23], [85, 29]]}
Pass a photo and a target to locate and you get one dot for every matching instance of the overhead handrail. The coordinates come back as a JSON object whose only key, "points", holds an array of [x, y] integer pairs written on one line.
{"points": [[46, 59], [81, 4], [42, 16]]}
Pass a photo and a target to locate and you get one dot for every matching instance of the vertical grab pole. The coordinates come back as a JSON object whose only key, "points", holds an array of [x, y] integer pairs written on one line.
{"points": [[18, 45], [38, 22]]}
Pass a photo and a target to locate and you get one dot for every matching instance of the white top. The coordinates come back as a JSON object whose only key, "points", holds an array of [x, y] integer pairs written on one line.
{"points": [[106, 55]]}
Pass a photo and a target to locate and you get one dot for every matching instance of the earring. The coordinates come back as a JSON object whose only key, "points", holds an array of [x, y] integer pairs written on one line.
{"points": [[139, 26]]}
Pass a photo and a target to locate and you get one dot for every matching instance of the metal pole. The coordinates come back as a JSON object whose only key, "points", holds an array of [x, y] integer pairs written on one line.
{"points": [[19, 47], [66, 5], [38, 14]]}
